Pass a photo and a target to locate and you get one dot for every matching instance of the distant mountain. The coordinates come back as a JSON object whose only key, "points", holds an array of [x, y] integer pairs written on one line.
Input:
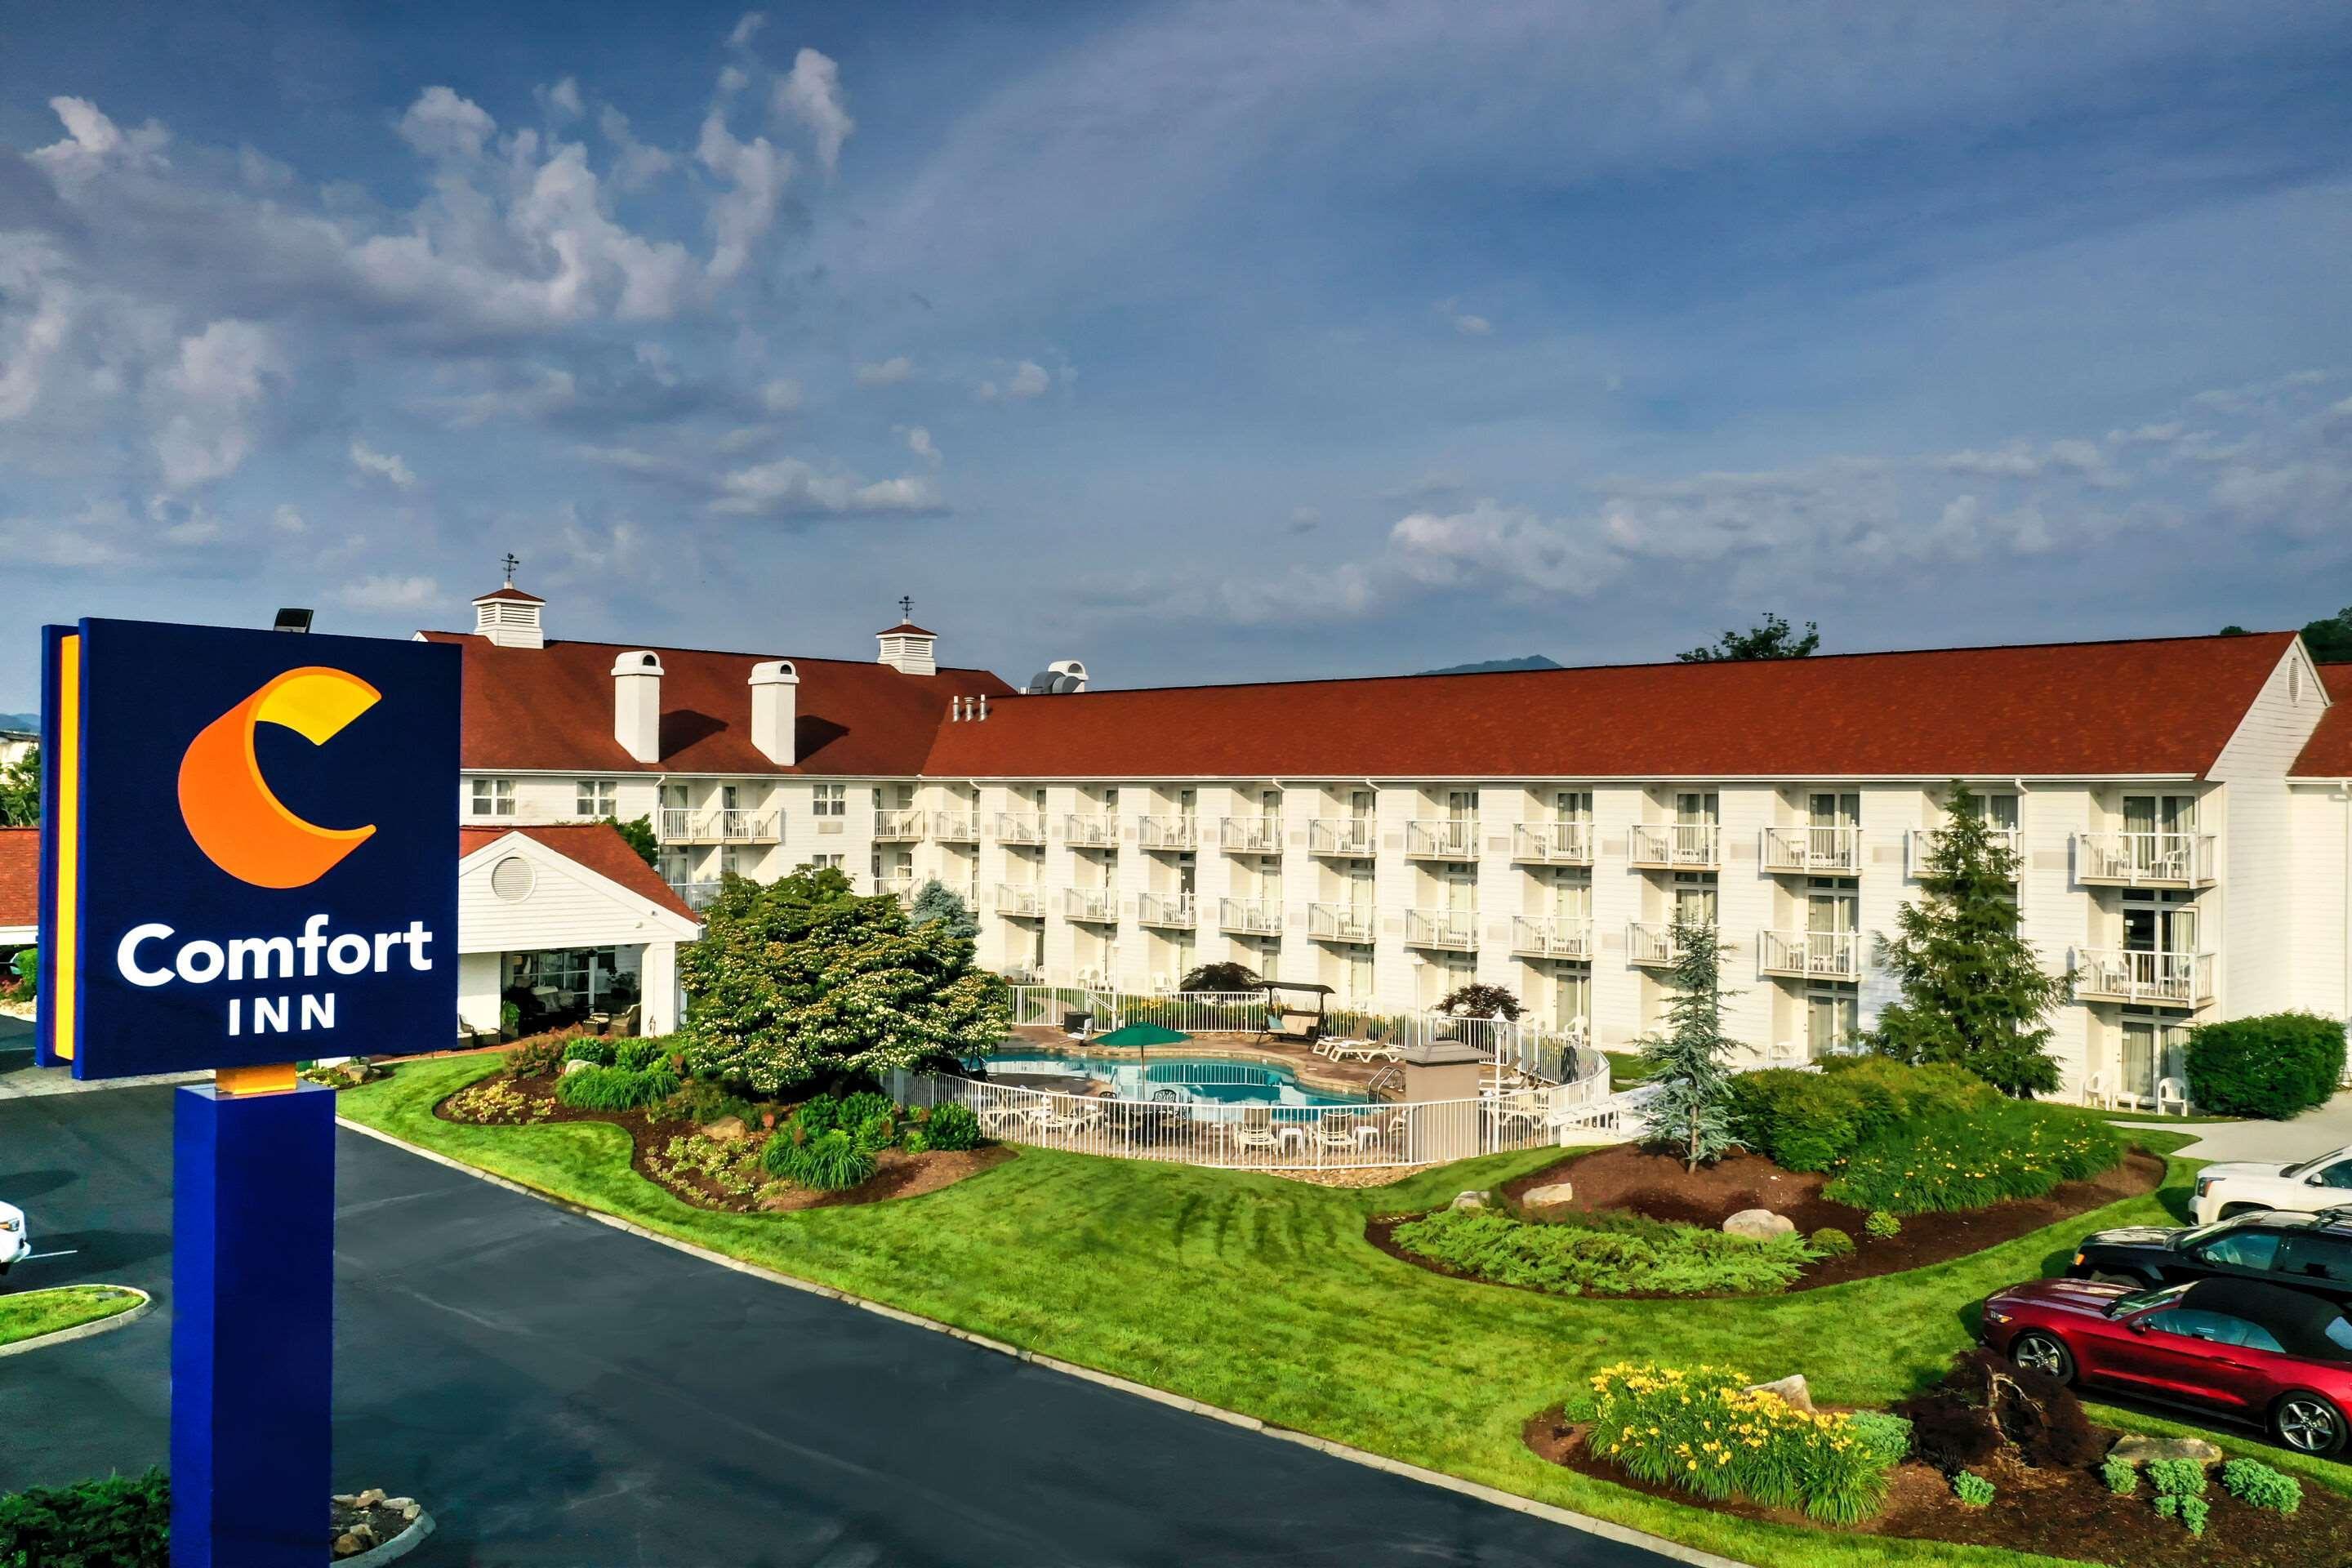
{"points": [[20, 722], [1529, 661]]}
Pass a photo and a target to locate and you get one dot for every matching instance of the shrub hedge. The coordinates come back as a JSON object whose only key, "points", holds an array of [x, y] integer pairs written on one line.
{"points": [[2008, 1149], [951, 1128], [1610, 1254], [1815, 1121], [2278, 1065], [121, 1522], [614, 1088], [1700, 1430]]}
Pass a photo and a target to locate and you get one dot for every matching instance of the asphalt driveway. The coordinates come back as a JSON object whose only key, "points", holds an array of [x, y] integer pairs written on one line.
{"points": [[557, 1391]]}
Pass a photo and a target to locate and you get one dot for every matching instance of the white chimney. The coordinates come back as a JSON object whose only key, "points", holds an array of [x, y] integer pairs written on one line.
{"points": [[636, 704], [775, 709], [908, 649]]}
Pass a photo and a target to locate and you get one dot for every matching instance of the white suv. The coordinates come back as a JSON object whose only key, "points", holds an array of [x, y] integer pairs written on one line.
{"points": [[13, 1242], [2322, 1182]]}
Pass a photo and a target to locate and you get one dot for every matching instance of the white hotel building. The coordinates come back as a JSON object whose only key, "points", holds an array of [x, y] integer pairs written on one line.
{"points": [[2183, 808]]}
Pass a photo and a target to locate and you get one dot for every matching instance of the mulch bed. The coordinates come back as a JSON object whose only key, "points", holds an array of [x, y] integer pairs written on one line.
{"points": [[896, 1174], [2057, 1512]]}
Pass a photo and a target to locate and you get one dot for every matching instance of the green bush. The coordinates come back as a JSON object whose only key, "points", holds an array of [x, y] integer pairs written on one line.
{"points": [[2257, 1485], [638, 1055], [615, 1089], [952, 1128], [1831, 1242], [2121, 1476], [1610, 1254], [536, 1057], [1699, 1430], [26, 966], [1814, 1121], [2190, 1511], [1881, 1225], [2278, 1065], [829, 1160], [2177, 1478], [593, 1049], [2010, 1148], [877, 1133], [858, 1109], [702, 1101], [1886, 1436], [121, 1522], [1973, 1489]]}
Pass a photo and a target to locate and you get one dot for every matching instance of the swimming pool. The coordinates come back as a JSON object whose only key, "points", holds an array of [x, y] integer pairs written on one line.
{"points": [[1217, 1080]]}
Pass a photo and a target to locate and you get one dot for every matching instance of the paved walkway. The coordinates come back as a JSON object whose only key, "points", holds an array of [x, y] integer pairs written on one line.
{"points": [[559, 1392], [2316, 1132]]}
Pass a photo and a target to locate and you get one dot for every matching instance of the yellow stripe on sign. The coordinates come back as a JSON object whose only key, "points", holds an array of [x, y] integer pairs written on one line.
{"points": [[67, 936]]}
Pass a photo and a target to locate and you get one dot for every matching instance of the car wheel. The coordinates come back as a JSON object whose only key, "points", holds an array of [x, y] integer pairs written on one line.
{"points": [[2042, 1353], [2307, 1424]]}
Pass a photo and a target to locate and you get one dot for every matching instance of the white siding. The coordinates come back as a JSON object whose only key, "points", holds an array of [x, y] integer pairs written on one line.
{"points": [[2257, 850]]}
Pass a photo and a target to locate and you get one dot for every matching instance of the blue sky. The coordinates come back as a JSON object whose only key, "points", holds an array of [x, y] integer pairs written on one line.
{"points": [[1199, 342]]}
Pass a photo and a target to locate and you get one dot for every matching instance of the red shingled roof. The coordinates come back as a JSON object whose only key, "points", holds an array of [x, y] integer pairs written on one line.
{"points": [[2164, 705], [550, 708], [908, 627], [510, 592], [20, 876], [2328, 753], [595, 845]]}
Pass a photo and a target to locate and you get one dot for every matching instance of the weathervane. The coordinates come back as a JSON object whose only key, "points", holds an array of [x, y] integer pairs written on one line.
{"points": [[510, 563], [906, 609]]}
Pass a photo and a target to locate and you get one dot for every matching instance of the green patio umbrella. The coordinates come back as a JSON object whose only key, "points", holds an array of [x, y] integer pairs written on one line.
{"points": [[1142, 1035]]}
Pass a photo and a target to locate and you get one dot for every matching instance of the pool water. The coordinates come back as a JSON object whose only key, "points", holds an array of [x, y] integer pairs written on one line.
{"points": [[1218, 1080]]}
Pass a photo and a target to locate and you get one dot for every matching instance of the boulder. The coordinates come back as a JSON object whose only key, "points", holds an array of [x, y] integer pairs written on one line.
{"points": [[349, 1545], [576, 1065], [370, 1497], [400, 1504], [1541, 1202], [1791, 1389], [725, 1130], [1759, 1225], [2135, 1449], [1469, 1200]]}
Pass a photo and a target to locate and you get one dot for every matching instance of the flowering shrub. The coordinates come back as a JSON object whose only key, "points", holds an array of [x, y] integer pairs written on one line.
{"points": [[496, 1102], [2009, 1150], [1698, 1429]]}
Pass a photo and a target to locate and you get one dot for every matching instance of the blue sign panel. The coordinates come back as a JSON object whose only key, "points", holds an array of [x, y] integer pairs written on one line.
{"points": [[255, 846]]}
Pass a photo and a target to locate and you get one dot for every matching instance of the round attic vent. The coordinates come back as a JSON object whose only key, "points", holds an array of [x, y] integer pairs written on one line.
{"points": [[511, 879]]}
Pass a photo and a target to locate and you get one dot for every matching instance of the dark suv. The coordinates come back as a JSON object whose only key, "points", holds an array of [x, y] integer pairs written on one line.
{"points": [[2311, 1252]]}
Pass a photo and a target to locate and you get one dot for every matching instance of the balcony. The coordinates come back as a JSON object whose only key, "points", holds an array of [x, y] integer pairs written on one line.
{"points": [[1552, 936], [1169, 832], [1442, 838], [2142, 979], [1553, 843], [1250, 835], [1091, 829], [1099, 905], [1810, 955], [903, 826], [900, 887], [1675, 845], [1021, 827], [1338, 923], [956, 826], [1026, 903], [1812, 851], [1165, 909], [1351, 837], [2144, 859], [1249, 917], [695, 895], [1651, 943], [1921, 844], [1454, 930], [720, 825]]}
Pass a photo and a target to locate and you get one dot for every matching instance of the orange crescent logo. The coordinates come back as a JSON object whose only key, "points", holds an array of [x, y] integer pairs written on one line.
{"points": [[231, 811]]}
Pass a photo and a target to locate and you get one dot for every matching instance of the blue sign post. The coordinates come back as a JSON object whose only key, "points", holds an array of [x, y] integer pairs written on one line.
{"points": [[249, 859]]}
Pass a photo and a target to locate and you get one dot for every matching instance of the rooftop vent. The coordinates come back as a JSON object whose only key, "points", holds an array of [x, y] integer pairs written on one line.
{"points": [[1061, 676]]}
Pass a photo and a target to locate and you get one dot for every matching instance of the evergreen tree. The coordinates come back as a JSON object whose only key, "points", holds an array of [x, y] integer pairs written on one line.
{"points": [[639, 835], [935, 900], [1974, 994], [1772, 637], [1690, 1063]]}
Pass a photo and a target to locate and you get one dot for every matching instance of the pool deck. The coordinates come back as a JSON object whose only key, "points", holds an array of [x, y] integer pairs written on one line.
{"points": [[1312, 1071]]}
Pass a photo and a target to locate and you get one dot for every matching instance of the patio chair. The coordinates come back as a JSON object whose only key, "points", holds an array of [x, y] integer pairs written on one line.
{"points": [[2172, 1093], [1256, 1131], [1336, 1131], [2095, 1091]]}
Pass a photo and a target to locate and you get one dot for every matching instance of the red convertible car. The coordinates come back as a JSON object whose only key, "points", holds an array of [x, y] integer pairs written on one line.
{"points": [[2257, 1353]]}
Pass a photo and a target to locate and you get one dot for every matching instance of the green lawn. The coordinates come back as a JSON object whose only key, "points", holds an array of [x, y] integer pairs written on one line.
{"points": [[1261, 1294], [32, 1314]]}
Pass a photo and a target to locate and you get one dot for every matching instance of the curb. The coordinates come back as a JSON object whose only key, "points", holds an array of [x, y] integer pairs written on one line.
{"points": [[1550, 1512], [400, 1545], [121, 1320]]}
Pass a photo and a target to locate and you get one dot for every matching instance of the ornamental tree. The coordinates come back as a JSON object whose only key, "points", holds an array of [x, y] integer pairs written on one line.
{"points": [[1974, 993], [800, 981], [1223, 975], [1479, 1000], [1690, 1064], [935, 900]]}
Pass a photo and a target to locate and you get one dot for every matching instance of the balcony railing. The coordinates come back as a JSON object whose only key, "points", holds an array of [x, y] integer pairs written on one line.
{"points": [[1165, 909], [2144, 859], [1810, 955], [1348, 836], [1249, 917], [1169, 833], [1812, 851], [1021, 827], [900, 886], [1027, 902], [1650, 942], [1552, 936], [696, 895], [1680, 845], [719, 825], [1442, 838], [1456, 929], [2145, 979], [956, 826], [901, 825], [1097, 904], [1098, 829], [1340, 922], [1922, 844], [1250, 835], [1553, 843]]}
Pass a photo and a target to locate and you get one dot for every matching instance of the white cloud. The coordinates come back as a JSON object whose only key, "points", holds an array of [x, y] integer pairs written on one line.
{"points": [[919, 441], [746, 29], [560, 101], [207, 399], [1468, 326], [782, 395], [887, 373], [1028, 380], [789, 487], [385, 465], [636, 165], [287, 519], [812, 94], [390, 593], [757, 173], [442, 125]]}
